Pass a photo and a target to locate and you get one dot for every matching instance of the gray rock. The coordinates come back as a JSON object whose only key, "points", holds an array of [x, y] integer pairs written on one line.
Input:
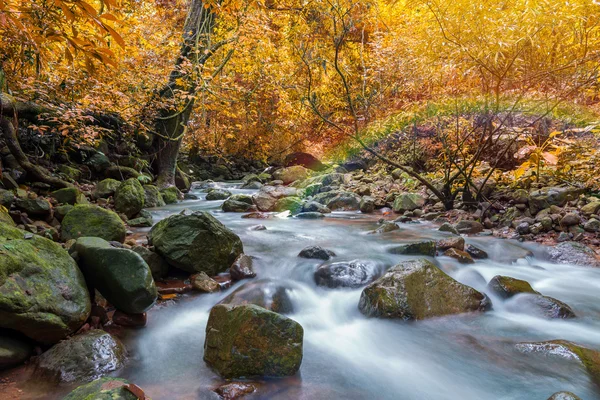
{"points": [[423, 248], [574, 253], [469, 227], [347, 274], [218, 194], [316, 252]]}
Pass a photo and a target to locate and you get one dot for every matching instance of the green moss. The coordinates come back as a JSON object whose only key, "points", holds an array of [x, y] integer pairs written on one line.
{"points": [[292, 204], [102, 389], [505, 286], [130, 197], [170, 195], [106, 188], [424, 248], [91, 220]]}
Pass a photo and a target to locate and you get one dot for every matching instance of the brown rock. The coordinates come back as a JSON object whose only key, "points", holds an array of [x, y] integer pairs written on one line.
{"points": [[462, 256], [204, 283]]}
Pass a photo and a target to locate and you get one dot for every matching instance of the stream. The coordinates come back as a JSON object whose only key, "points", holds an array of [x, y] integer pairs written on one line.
{"points": [[349, 356]]}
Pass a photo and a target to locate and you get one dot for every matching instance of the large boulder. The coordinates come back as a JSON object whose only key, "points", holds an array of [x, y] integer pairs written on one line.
{"points": [[91, 220], [304, 159], [574, 253], [249, 341], [103, 389], [408, 202], [158, 266], [417, 289], [269, 294], [106, 188], [152, 197], [84, 357], [291, 174], [42, 292], [505, 286], [196, 243], [337, 200], [130, 197], [350, 274], [120, 275]]}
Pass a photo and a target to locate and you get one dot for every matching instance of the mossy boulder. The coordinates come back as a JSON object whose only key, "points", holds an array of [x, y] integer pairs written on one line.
{"points": [[130, 197], [7, 197], [505, 286], [42, 292], [38, 207], [291, 174], [552, 196], [170, 195], [121, 173], [5, 217], [461, 256], [120, 275], [408, 202], [69, 196], [106, 188], [343, 201], [417, 289], [422, 248], [292, 204], [84, 357], [238, 203], [249, 341], [196, 243], [588, 358], [91, 220], [70, 173], [158, 266], [218, 194], [102, 389], [152, 197]]}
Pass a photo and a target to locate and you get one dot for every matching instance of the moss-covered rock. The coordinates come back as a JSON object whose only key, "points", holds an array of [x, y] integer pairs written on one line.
{"points": [[69, 196], [461, 256], [170, 195], [38, 207], [292, 204], [218, 194], [505, 286], [196, 243], [130, 197], [121, 173], [70, 173], [552, 196], [5, 217], [152, 197], [417, 289], [84, 357], [7, 197], [408, 202], [106, 188], [42, 292], [249, 341], [238, 203], [91, 220], [291, 174], [102, 389], [422, 248], [120, 275]]}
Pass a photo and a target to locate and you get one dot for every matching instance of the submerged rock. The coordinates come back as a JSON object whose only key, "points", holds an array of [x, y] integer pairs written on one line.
{"points": [[505, 286], [249, 341], [310, 215], [103, 389], [316, 252], [42, 292], [218, 194], [417, 289], [588, 358], [543, 306], [350, 274], [196, 243], [120, 275], [475, 252], [84, 357], [242, 268], [265, 293], [424, 248], [574, 253], [91, 220], [564, 396]]}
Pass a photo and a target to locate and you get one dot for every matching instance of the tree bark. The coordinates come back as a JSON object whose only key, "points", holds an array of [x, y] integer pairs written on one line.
{"points": [[171, 125]]}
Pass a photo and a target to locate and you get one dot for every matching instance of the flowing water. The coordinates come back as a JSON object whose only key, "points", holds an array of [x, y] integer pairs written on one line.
{"points": [[349, 356]]}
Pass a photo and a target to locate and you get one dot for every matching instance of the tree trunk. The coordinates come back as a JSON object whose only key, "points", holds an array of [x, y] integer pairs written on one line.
{"points": [[171, 125]]}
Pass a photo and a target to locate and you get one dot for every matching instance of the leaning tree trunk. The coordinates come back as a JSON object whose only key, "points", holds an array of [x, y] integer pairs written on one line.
{"points": [[171, 124]]}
